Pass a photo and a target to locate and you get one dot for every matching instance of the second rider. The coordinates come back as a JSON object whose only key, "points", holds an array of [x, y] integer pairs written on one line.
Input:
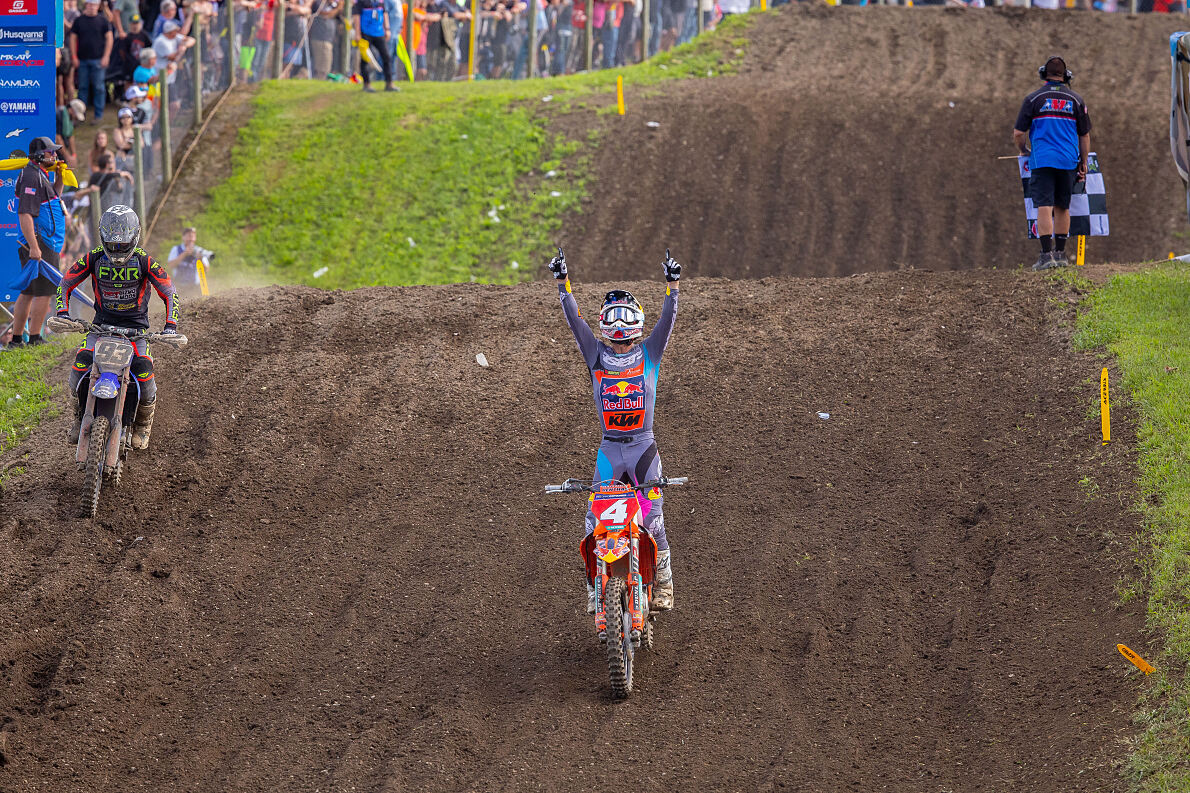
{"points": [[624, 379]]}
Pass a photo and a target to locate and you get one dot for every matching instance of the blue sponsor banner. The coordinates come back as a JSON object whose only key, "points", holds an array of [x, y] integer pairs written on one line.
{"points": [[26, 22], [27, 110]]}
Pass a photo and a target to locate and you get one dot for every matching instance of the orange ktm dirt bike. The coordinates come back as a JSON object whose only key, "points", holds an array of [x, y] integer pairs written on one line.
{"points": [[621, 560], [106, 436]]}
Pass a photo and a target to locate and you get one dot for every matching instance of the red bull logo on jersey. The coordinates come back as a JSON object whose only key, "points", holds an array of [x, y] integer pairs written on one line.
{"points": [[622, 388]]}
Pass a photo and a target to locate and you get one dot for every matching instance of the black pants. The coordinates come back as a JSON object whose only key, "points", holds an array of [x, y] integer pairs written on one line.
{"points": [[379, 47]]}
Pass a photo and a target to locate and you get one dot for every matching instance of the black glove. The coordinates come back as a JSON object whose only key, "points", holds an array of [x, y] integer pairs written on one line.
{"points": [[673, 270], [557, 265]]}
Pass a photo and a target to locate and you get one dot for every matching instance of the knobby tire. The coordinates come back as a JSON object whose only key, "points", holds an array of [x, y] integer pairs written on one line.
{"points": [[93, 478], [619, 645]]}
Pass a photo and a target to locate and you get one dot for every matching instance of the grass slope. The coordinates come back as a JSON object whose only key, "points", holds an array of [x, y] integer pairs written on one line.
{"points": [[1141, 319], [440, 183], [25, 390]]}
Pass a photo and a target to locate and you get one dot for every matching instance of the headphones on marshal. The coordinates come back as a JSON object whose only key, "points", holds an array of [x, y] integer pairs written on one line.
{"points": [[1066, 78]]}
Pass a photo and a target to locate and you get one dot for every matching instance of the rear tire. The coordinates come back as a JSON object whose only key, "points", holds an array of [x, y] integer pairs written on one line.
{"points": [[619, 638], [93, 478]]}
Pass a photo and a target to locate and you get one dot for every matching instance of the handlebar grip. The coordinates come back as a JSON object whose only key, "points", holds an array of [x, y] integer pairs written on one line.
{"points": [[678, 480], [555, 488]]}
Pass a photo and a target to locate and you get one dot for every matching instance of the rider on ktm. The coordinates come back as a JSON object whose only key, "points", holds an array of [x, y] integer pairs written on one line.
{"points": [[120, 274], [624, 378]]}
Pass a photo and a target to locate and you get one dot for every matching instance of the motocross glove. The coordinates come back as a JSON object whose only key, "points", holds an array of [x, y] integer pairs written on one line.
{"points": [[673, 270], [168, 329], [557, 265]]}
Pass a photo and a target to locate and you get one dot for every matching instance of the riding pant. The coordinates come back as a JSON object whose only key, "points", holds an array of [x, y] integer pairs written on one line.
{"points": [[634, 461], [141, 369]]}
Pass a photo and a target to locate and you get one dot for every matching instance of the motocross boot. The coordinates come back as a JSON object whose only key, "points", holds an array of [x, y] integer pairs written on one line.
{"points": [[663, 584], [592, 599], [72, 434], [143, 425]]}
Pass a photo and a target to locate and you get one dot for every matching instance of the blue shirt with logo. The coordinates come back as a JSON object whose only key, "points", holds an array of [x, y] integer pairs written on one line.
{"points": [[36, 197], [371, 17], [1055, 117]]}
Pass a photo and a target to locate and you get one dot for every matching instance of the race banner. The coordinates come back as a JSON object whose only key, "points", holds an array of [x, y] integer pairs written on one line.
{"points": [[29, 32], [1088, 202]]}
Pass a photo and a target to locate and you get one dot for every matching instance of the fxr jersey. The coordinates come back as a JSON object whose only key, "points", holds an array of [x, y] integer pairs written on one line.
{"points": [[625, 386]]}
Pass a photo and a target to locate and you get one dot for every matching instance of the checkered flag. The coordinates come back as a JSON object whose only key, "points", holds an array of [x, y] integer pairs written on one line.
{"points": [[1088, 202]]}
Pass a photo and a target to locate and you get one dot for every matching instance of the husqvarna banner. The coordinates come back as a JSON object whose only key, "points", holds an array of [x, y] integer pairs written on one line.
{"points": [[29, 32]]}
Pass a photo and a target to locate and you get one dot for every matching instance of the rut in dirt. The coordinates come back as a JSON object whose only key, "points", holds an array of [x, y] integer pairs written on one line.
{"points": [[336, 569]]}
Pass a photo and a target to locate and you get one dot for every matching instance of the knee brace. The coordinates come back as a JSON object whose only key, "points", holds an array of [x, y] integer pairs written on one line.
{"points": [[142, 370]]}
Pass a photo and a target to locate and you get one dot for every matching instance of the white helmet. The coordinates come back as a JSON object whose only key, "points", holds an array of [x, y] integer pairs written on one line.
{"points": [[621, 318]]}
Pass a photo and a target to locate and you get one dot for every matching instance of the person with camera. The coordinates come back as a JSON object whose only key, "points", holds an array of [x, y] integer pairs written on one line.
{"points": [[183, 261]]}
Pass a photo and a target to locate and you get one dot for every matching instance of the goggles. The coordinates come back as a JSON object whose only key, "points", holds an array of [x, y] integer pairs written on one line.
{"points": [[623, 316], [119, 251]]}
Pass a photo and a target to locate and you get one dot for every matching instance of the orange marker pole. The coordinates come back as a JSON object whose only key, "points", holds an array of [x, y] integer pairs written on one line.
{"points": [[620, 93], [1136, 660]]}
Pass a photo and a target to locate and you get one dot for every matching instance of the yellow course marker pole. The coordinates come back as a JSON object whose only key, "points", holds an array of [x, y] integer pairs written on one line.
{"points": [[202, 278], [764, 6], [1104, 407], [1136, 660], [620, 93], [1080, 259], [471, 48]]}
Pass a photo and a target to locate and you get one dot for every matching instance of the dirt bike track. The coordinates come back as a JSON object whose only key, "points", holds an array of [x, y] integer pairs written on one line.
{"points": [[338, 571]]}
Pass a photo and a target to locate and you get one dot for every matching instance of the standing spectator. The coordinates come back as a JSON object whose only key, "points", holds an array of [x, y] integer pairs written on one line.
{"points": [[183, 261], [421, 24], [1054, 129], [124, 138], [322, 37], [41, 224], [559, 33], [64, 70], [265, 18], [126, 54], [122, 13], [91, 42], [170, 46], [170, 12], [627, 36], [393, 9], [297, 26], [371, 25], [441, 37]]}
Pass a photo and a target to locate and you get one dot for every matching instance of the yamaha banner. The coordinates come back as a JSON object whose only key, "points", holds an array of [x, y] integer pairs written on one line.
{"points": [[30, 30]]}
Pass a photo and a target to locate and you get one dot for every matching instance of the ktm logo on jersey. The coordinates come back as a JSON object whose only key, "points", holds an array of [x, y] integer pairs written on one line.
{"points": [[624, 421]]}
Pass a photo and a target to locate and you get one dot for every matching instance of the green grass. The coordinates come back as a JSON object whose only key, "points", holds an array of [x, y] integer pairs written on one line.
{"points": [[25, 390], [437, 184], [1142, 319]]}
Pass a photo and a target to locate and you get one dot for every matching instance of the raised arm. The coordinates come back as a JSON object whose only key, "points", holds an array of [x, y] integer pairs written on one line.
{"points": [[658, 339], [588, 345]]}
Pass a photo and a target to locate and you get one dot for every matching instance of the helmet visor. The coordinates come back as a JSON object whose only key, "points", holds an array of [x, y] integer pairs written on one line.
{"points": [[621, 316], [119, 251]]}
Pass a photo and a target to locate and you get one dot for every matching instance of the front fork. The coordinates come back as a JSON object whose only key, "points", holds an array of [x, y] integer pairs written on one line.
{"points": [[636, 595]]}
